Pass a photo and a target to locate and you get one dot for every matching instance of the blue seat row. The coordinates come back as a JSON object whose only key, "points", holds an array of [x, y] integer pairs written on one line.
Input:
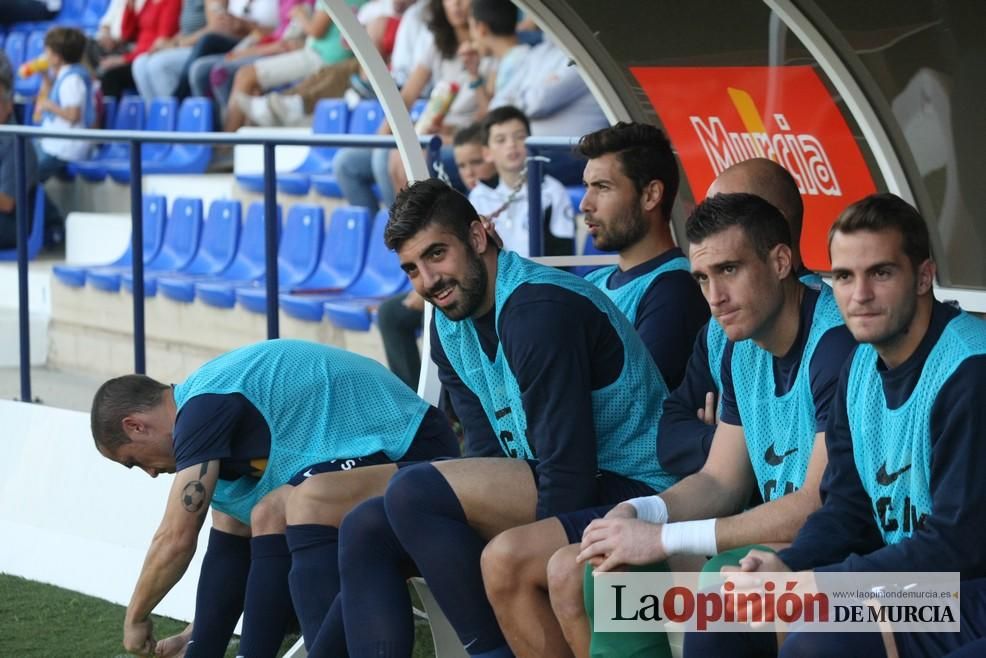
{"points": [[162, 115], [219, 260], [83, 14], [332, 117]]}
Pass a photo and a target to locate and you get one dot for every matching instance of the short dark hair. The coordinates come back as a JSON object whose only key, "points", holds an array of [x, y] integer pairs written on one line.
{"points": [[503, 114], [428, 202], [471, 134], [644, 153], [66, 42], [500, 15], [115, 400], [886, 211], [762, 223]]}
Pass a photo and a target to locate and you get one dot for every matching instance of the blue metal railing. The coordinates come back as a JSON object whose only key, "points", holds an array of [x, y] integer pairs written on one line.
{"points": [[269, 142]]}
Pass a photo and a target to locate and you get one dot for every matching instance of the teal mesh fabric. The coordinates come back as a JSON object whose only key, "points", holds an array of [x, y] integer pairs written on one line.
{"points": [[627, 297], [780, 431], [715, 338], [320, 403], [892, 447], [626, 412]]}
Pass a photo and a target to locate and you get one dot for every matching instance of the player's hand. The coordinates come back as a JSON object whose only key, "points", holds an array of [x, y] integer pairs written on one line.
{"points": [[621, 541], [708, 414], [138, 637], [622, 511], [174, 646], [757, 561]]}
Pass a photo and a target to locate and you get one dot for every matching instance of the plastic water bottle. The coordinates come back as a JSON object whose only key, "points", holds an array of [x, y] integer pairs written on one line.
{"points": [[442, 97]]}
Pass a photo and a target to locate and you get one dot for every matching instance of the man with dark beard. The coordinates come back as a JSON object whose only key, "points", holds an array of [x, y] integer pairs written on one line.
{"points": [[631, 181], [538, 362]]}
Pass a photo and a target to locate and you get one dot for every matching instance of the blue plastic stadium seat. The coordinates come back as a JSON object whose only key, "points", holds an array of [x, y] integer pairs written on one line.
{"points": [[365, 120], [129, 116], [109, 112], [34, 46], [180, 248], [71, 13], [161, 117], [342, 256], [331, 118], [35, 238], [194, 116], [181, 241], [297, 257], [341, 264], [14, 47], [155, 214], [93, 13], [382, 277], [247, 264]]}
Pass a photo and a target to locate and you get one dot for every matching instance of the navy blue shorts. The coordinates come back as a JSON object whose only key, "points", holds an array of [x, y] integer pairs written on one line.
{"points": [[611, 489], [434, 439]]}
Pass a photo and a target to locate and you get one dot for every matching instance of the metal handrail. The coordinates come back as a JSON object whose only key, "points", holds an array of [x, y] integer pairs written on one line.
{"points": [[268, 141]]}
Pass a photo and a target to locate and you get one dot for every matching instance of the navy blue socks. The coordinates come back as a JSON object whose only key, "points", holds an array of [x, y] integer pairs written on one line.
{"points": [[314, 575], [219, 597], [267, 610], [429, 521]]}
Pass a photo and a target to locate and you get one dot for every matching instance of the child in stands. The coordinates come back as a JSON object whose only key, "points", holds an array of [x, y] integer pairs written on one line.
{"points": [[504, 199], [65, 101]]}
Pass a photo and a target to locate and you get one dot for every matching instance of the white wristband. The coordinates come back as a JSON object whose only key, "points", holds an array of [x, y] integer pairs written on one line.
{"points": [[690, 537], [650, 508]]}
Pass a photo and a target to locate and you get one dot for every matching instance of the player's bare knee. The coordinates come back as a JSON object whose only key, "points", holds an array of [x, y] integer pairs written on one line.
{"points": [[268, 516], [565, 582], [502, 564]]}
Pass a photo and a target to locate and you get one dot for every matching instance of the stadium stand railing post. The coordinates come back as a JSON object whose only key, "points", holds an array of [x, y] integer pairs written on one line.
{"points": [[534, 205], [23, 208], [137, 246], [270, 239]]}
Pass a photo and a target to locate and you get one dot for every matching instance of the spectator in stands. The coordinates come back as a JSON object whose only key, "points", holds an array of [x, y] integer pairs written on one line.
{"points": [[400, 317], [288, 36], [901, 489], [64, 103], [237, 25], [358, 169], [109, 37], [504, 199], [156, 72], [149, 29], [531, 357], [8, 171], [323, 47], [771, 431], [6, 71], [234, 432], [26, 11], [296, 105]]}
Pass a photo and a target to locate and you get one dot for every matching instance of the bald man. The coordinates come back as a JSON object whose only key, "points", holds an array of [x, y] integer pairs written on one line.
{"points": [[687, 428]]}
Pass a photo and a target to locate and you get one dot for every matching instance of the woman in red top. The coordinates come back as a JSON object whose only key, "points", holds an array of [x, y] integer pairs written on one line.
{"points": [[149, 29]]}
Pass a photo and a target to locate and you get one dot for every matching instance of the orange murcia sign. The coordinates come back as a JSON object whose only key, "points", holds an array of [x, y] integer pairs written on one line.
{"points": [[718, 116]]}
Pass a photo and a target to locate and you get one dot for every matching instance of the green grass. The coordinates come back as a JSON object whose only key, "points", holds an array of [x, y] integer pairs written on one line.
{"points": [[51, 622]]}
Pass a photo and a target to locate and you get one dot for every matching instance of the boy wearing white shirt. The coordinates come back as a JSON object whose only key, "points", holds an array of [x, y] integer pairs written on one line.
{"points": [[65, 101], [504, 199]]}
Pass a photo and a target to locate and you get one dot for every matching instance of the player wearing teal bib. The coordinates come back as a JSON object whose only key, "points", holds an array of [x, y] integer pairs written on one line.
{"points": [[631, 180], [237, 430], [786, 345], [903, 488]]}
